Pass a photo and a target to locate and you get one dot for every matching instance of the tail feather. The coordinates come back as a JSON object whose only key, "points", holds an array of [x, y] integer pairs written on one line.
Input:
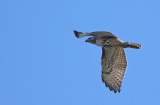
{"points": [[134, 45], [78, 34]]}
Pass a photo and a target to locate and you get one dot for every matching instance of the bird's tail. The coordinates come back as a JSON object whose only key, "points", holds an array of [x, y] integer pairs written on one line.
{"points": [[79, 34], [133, 45]]}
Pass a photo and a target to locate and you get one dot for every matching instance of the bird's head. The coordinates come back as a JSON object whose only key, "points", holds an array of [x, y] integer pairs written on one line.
{"points": [[96, 40], [91, 40]]}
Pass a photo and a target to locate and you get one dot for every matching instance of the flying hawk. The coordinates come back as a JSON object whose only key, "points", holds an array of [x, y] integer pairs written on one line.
{"points": [[114, 62]]}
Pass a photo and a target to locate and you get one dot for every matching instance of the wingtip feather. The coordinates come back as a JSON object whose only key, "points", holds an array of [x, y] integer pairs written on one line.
{"points": [[78, 34]]}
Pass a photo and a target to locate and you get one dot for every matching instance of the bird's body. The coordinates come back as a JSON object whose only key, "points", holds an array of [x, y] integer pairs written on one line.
{"points": [[114, 62]]}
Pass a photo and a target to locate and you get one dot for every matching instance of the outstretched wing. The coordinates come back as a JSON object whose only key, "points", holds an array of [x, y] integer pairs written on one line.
{"points": [[102, 34], [114, 66], [97, 34]]}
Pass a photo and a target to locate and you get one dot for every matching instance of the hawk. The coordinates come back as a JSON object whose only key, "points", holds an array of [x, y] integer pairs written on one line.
{"points": [[113, 60]]}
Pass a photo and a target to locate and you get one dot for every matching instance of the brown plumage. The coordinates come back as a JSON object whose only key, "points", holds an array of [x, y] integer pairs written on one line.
{"points": [[114, 62]]}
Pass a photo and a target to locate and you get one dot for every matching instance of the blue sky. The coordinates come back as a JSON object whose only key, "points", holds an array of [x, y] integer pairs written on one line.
{"points": [[43, 63]]}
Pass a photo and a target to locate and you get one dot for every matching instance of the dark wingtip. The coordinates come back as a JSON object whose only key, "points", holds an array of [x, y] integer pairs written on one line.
{"points": [[119, 90], [115, 91], [76, 33]]}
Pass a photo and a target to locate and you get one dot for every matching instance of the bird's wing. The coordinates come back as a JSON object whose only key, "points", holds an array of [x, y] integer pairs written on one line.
{"points": [[114, 66], [97, 34], [101, 34]]}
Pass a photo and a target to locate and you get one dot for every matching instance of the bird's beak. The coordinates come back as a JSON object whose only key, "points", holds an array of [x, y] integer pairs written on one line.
{"points": [[87, 40]]}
